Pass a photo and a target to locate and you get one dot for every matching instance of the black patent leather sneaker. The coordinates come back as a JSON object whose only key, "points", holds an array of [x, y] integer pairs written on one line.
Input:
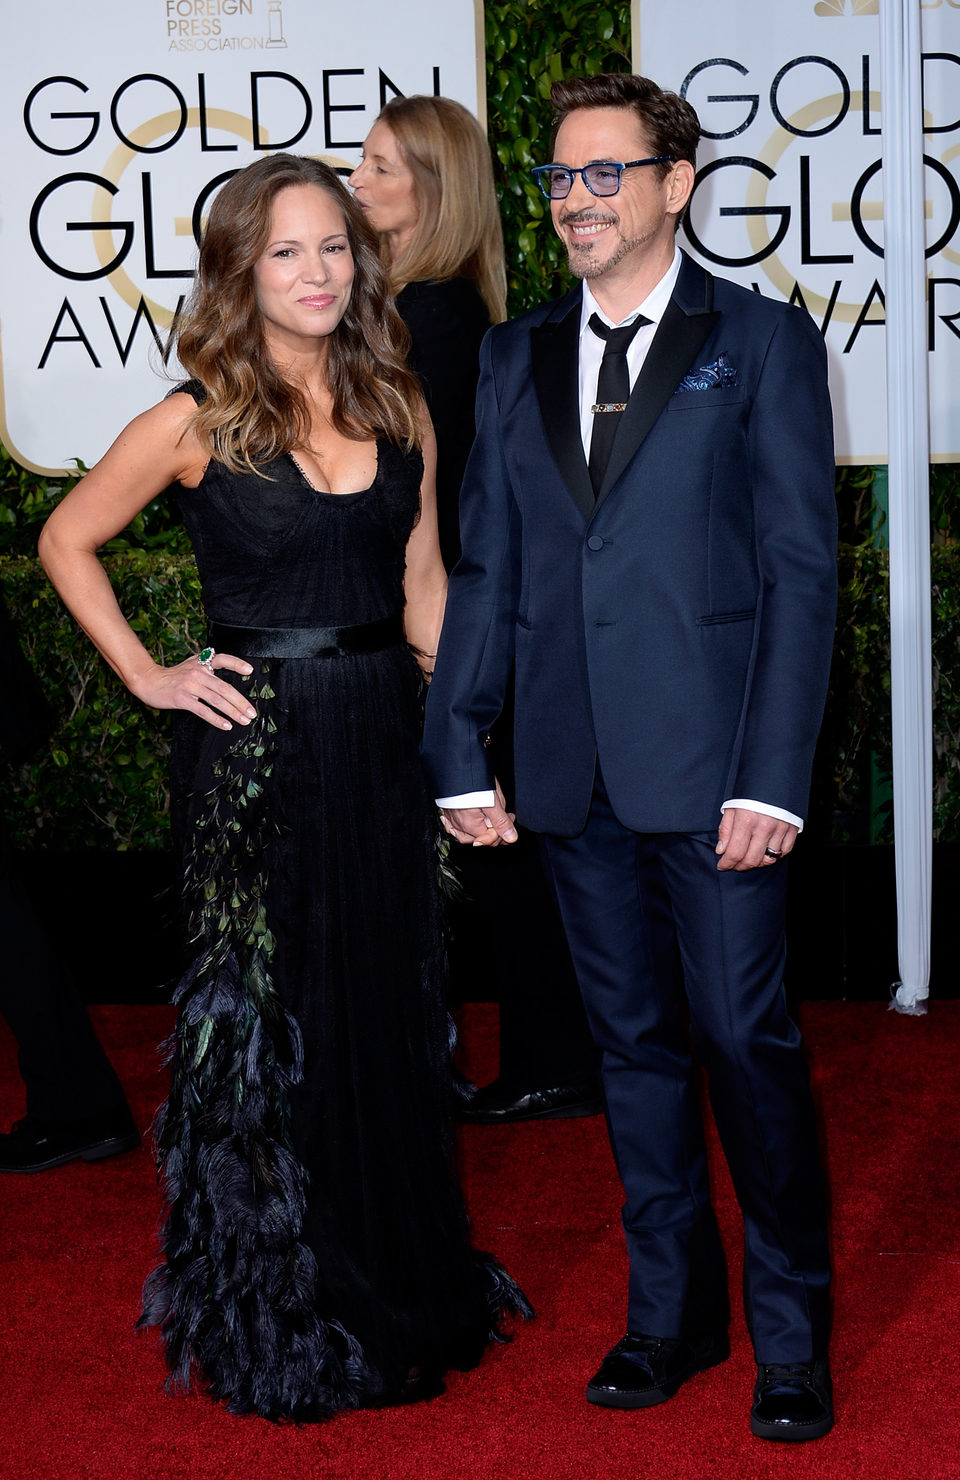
{"points": [[792, 1401], [643, 1370]]}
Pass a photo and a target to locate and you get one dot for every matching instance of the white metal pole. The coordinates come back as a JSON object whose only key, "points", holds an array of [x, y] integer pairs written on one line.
{"points": [[908, 452]]}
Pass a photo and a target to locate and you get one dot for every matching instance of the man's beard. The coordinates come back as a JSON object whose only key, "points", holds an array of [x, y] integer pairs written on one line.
{"points": [[580, 260]]}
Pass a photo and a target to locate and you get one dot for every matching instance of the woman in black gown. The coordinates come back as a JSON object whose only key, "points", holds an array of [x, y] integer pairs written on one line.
{"points": [[316, 1253]]}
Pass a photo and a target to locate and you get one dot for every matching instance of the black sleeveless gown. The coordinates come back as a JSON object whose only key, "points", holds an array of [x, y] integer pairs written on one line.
{"points": [[316, 1251]]}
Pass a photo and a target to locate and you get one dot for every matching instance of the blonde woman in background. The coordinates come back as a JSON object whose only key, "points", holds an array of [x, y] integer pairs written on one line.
{"points": [[426, 185]]}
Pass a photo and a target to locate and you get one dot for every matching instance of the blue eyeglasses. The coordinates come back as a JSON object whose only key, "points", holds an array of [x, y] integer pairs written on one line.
{"points": [[556, 180]]}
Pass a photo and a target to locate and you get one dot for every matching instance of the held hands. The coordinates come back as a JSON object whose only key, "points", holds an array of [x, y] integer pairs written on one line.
{"points": [[745, 837], [482, 827], [194, 686]]}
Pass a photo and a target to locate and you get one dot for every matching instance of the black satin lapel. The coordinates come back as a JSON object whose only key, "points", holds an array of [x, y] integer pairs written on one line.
{"points": [[675, 347], [555, 356]]}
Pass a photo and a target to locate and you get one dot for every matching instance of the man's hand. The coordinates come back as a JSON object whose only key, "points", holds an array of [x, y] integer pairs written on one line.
{"points": [[482, 827], [752, 840]]}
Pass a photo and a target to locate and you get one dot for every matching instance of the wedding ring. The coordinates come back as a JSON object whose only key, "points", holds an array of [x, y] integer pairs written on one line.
{"points": [[205, 658], [773, 852]]}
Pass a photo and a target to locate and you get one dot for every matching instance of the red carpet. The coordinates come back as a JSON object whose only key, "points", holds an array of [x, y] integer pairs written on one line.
{"points": [[82, 1392]]}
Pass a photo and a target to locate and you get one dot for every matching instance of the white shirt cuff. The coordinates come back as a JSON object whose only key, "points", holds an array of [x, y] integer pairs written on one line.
{"points": [[469, 799], [765, 811]]}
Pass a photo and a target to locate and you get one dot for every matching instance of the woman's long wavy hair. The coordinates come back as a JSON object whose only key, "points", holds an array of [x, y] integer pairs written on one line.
{"points": [[252, 412], [458, 231]]}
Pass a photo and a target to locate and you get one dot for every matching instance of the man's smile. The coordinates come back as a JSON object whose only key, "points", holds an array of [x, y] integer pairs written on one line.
{"points": [[581, 225]]}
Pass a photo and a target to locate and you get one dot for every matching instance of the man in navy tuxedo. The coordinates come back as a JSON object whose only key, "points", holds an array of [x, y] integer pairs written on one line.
{"points": [[649, 541]]}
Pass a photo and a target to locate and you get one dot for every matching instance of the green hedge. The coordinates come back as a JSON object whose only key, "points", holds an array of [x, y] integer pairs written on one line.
{"points": [[529, 46], [855, 780], [103, 784]]}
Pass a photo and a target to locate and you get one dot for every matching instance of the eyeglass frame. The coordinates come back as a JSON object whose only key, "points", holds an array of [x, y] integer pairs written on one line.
{"points": [[610, 164]]}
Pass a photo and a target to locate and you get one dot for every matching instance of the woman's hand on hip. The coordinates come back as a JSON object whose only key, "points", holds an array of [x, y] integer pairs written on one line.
{"points": [[193, 685]]}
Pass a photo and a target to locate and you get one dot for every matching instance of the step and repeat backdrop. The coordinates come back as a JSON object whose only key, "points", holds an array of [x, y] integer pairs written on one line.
{"points": [[120, 122], [789, 198]]}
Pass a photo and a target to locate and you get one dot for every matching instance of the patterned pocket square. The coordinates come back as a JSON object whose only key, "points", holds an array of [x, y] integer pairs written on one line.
{"points": [[717, 376]]}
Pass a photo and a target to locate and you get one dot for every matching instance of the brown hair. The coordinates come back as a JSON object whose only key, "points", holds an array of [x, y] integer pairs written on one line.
{"points": [[458, 231], [669, 123], [252, 413]]}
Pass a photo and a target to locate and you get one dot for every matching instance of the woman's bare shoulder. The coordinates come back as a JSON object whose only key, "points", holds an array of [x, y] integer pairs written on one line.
{"points": [[169, 426]]}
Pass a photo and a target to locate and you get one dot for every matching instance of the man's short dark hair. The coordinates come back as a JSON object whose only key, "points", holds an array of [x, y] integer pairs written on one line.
{"points": [[669, 123]]}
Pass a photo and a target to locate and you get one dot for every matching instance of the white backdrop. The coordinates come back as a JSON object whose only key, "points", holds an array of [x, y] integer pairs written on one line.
{"points": [[791, 197], [118, 121]]}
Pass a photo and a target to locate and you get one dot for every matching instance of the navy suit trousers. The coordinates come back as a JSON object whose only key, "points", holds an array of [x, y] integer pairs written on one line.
{"points": [[668, 949]]}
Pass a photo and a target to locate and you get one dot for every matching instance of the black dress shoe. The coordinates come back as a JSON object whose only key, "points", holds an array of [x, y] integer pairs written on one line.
{"points": [[36, 1145], [500, 1104], [792, 1401], [644, 1370]]}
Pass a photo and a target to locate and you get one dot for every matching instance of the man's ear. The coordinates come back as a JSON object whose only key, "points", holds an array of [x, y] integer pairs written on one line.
{"points": [[680, 185]]}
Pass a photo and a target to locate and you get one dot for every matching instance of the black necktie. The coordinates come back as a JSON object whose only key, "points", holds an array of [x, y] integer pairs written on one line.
{"points": [[613, 392]]}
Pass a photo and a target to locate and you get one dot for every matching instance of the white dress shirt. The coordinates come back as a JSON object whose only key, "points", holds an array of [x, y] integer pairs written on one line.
{"points": [[592, 346]]}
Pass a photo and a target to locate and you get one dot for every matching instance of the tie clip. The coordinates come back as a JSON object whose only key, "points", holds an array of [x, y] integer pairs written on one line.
{"points": [[609, 406]]}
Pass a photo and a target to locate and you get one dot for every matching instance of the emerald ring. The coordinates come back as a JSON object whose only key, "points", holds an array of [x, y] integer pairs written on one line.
{"points": [[205, 658]]}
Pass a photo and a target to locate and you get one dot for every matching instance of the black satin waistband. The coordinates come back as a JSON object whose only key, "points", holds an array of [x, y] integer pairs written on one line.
{"points": [[307, 642]]}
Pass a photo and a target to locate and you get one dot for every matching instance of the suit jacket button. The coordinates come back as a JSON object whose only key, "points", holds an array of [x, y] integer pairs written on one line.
{"points": [[594, 542], [487, 741]]}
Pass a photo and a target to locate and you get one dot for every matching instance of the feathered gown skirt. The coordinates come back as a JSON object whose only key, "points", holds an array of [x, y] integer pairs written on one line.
{"points": [[315, 1251]]}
